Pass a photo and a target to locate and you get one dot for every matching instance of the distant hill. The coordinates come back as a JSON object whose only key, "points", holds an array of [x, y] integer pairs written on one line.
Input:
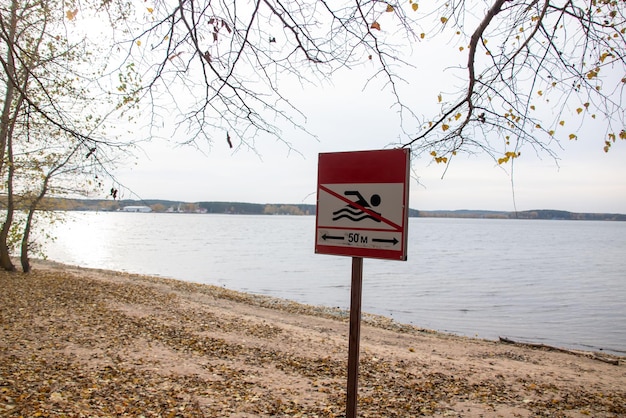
{"points": [[159, 205], [242, 208], [527, 214]]}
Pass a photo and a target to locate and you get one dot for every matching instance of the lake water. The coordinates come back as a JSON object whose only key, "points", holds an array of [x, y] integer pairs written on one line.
{"points": [[560, 283]]}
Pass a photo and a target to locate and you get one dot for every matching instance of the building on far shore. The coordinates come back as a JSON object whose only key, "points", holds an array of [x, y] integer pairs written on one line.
{"points": [[144, 209]]}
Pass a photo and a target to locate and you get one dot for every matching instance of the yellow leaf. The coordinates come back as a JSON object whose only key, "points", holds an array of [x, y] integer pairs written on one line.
{"points": [[389, 8], [540, 93], [138, 43], [150, 10], [532, 107], [461, 48], [562, 123], [457, 116], [439, 98], [579, 110], [445, 127], [433, 153], [572, 136], [375, 25], [415, 7], [444, 19], [422, 35], [622, 135], [551, 132], [71, 14]]}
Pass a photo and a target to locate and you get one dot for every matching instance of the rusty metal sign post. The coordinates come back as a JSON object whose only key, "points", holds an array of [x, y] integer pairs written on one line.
{"points": [[362, 211], [354, 340]]}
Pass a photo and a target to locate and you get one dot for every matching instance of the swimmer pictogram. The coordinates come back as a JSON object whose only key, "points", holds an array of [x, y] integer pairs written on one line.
{"points": [[354, 211]]}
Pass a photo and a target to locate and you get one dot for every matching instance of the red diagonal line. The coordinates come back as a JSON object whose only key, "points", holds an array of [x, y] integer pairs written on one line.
{"points": [[364, 209]]}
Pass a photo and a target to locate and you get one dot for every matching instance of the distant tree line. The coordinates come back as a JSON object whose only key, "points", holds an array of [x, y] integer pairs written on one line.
{"points": [[238, 208], [545, 214], [243, 208], [288, 210]]}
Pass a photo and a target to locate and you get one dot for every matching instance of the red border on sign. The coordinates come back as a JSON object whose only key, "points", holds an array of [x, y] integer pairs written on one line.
{"points": [[362, 252], [362, 167], [380, 166]]}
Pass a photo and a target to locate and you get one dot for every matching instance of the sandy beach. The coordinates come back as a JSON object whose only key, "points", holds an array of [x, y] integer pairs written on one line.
{"points": [[80, 342]]}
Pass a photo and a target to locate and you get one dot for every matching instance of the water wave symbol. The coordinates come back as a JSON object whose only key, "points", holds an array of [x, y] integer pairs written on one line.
{"points": [[354, 215]]}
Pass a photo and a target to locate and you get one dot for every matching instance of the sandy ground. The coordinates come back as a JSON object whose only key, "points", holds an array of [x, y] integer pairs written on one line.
{"points": [[79, 342]]}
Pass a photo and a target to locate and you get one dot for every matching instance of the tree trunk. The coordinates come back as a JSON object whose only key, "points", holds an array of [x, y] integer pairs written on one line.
{"points": [[24, 259], [10, 89], [5, 257]]}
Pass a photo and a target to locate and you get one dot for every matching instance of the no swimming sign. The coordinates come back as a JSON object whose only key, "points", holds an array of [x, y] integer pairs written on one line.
{"points": [[362, 204]]}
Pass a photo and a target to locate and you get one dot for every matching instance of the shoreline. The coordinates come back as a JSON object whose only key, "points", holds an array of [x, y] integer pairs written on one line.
{"points": [[374, 319], [371, 319], [98, 342]]}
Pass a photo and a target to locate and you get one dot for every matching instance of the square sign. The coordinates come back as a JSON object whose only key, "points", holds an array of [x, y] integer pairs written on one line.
{"points": [[362, 204]]}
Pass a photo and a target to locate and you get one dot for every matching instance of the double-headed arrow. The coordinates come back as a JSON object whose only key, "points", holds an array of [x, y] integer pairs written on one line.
{"points": [[393, 241]]}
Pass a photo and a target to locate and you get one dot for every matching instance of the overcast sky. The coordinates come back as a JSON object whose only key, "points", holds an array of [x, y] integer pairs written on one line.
{"points": [[581, 184], [585, 179], [345, 117]]}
